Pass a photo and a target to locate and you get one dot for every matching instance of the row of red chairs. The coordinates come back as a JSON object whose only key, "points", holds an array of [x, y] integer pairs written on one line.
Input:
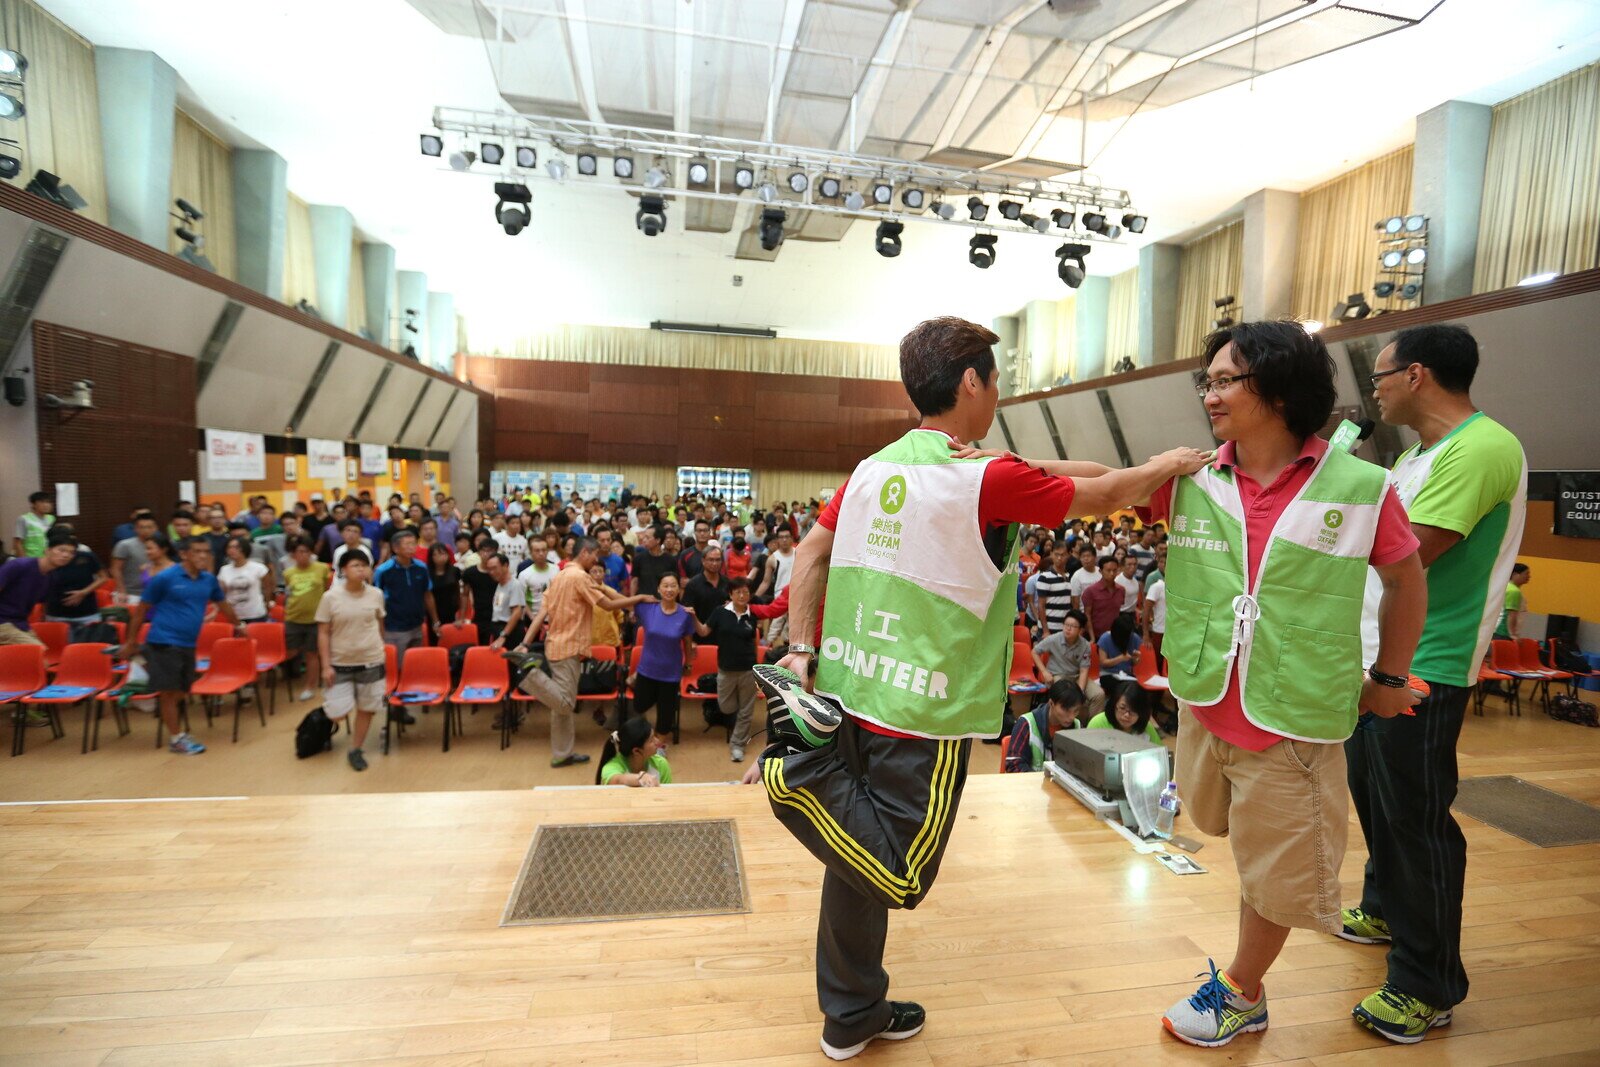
{"points": [[1516, 661]]}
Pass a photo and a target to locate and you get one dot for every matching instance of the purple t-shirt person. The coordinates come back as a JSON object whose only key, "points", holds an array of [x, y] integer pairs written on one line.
{"points": [[22, 585], [662, 658]]}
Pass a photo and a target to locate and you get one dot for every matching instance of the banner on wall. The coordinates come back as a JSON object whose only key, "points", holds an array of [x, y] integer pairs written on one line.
{"points": [[398, 475], [588, 485], [324, 459], [234, 456], [1577, 504], [291, 468], [350, 469], [563, 482], [375, 459], [611, 486], [497, 484]]}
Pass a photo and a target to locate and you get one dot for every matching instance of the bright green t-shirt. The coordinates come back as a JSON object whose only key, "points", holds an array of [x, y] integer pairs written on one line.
{"points": [[304, 590], [618, 764], [1513, 602], [1473, 482], [1102, 721]]}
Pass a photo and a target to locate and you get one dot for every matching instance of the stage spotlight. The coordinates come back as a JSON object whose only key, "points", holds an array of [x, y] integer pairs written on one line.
{"points": [[1311, 326], [527, 156], [1392, 258], [854, 201], [981, 250], [914, 198], [432, 144], [1416, 223], [11, 107], [651, 218], [1093, 221], [1063, 218], [1383, 289], [1010, 210], [10, 166], [657, 177], [977, 210], [699, 173], [1223, 301], [1410, 290], [888, 240], [47, 186], [1393, 224], [828, 188], [491, 153], [744, 175], [766, 192], [1542, 278], [188, 210], [944, 209], [463, 159], [798, 182], [1417, 255], [1034, 222], [1111, 230], [1350, 309], [772, 220], [189, 237], [588, 162], [1222, 323], [1070, 268], [1134, 223], [12, 64], [511, 207], [882, 193], [622, 167], [557, 169]]}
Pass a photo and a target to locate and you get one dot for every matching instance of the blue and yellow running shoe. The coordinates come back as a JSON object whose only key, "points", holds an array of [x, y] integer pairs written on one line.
{"points": [[1399, 1016], [1217, 1013]]}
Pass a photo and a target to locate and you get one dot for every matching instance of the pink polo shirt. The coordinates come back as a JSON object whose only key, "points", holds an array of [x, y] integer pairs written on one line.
{"points": [[1262, 509]]}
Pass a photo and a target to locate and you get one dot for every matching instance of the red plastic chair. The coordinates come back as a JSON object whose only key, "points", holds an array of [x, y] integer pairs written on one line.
{"points": [[1022, 672], [1146, 672], [272, 652], [275, 613], [233, 667], [1503, 658], [426, 670], [457, 633], [1485, 674], [54, 636], [104, 596], [1020, 634], [22, 672], [210, 634], [484, 669], [84, 667], [37, 614], [1528, 659]]}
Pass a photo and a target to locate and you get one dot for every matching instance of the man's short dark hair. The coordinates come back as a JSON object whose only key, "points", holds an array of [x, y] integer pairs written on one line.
{"points": [[1519, 568], [355, 555], [57, 536], [738, 583], [193, 541], [1078, 617], [34, 498], [501, 556], [936, 354], [394, 538], [348, 523], [1449, 352], [140, 516], [183, 513], [1289, 367], [1113, 560]]}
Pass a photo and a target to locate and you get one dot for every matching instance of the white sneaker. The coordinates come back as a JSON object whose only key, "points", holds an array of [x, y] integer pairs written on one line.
{"points": [[736, 754], [305, 694]]}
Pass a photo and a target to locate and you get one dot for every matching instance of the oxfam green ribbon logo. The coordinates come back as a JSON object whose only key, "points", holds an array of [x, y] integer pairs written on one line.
{"points": [[893, 496], [1333, 519]]}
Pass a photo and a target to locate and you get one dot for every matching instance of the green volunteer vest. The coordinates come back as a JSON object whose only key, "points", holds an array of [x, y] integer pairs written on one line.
{"points": [[35, 542], [1295, 638], [916, 636]]}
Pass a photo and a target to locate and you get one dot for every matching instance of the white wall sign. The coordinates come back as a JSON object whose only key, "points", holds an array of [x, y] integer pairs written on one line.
{"points": [[66, 499], [374, 459], [186, 492], [233, 456], [324, 459]]}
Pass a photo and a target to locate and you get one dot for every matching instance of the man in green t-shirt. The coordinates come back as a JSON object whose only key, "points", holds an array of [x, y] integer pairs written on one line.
{"points": [[1465, 487], [303, 583], [1516, 605]]}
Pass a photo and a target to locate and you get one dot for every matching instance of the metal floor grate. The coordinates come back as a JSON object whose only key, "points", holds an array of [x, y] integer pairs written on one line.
{"points": [[1535, 814], [597, 872]]}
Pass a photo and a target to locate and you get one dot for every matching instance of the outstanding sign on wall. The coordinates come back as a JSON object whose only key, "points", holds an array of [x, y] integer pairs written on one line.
{"points": [[1578, 504]]}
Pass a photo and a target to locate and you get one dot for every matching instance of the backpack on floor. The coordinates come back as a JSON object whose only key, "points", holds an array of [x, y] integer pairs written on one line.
{"points": [[314, 734], [597, 676], [99, 633], [1568, 708]]}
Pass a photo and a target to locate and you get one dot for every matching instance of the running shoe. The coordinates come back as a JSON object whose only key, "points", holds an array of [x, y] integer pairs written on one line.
{"points": [[357, 758], [1398, 1016], [184, 745], [905, 1020], [800, 719], [1216, 1014], [1363, 928]]}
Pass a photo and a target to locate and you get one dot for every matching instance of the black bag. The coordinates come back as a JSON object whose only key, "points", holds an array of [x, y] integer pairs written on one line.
{"points": [[1568, 708], [597, 676], [1570, 659], [314, 734], [776, 653], [458, 663], [99, 633], [706, 683]]}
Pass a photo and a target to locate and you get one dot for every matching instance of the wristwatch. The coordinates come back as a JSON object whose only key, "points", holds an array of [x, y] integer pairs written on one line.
{"points": [[1390, 680], [803, 649]]}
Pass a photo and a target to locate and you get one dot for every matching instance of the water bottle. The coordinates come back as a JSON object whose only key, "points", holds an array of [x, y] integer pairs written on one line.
{"points": [[1166, 811]]}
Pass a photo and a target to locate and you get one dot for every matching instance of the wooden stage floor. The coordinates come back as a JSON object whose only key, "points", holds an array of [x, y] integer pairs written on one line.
{"points": [[362, 929]]}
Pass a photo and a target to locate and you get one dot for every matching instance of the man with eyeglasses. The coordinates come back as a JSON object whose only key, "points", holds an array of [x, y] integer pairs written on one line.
{"points": [[1267, 563], [1465, 486]]}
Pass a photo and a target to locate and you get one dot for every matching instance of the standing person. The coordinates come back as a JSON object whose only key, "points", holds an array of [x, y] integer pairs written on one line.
{"points": [[129, 556], [407, 600], [25, 581], [732, 629], [304, 582], [481, 588], [945, 651], [779, 573], [508, 602], [350, 537], [607, 628], [568, 607], [535, 574], [1264, 648], [667, 628], [176, 599], [690, 559], [650, 561], [1102, 601], [1053, 592], [708, 590], [1515, 605], [513, 543], [1085, 574], [1465, 485], [1154, 617], [33, 526], [246, 582], [1131, 589], [72, 590], [216, 534], [350, 638]]}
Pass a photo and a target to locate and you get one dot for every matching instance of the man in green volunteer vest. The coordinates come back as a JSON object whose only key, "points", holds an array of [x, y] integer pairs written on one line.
{"points": [[33, 526], [1267, 564], [917, 557]]}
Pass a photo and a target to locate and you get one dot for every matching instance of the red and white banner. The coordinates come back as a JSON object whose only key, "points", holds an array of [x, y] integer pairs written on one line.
{"points": [[234, 456], [324, 459]]}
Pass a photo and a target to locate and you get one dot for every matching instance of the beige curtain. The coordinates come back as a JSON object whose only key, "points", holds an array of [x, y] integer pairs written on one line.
{"points": [[1122, 318], [768, 487], [1064, 357], [299, 262], [1541, 184], [650, 480], [1337, 253], [357, 318], [653, 348], [202, 173], [1210, 267], [60, 132]]}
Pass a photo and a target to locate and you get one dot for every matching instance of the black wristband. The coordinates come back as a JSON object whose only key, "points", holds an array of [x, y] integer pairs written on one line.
{"points": [[1390, 680]]}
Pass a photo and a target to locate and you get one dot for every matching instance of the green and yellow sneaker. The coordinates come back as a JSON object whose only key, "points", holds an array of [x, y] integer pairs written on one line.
{"points": [[1364, 929], [1398, 1016]]}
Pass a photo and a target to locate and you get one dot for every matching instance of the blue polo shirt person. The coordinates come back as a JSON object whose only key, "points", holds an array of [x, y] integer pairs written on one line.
{"points": [[407, 599], [176, 599]]}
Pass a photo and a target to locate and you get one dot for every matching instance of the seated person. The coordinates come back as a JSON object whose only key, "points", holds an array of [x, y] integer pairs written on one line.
{"points": [[1066, 654], [1119, 648], [1130, 714], [632, 757], [1030, 738]]}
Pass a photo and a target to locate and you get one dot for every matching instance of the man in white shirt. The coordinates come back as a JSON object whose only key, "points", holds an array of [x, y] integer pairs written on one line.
{"points": [[535, 577], [1155, 618], [509, 600], [1087, 574], [512, 544], [1129, 582], [779, 570]]}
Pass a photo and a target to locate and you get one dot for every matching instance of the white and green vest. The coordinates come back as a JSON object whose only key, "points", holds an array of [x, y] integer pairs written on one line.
{"points": [[1295, 636], [916, 636], [38, 530]]}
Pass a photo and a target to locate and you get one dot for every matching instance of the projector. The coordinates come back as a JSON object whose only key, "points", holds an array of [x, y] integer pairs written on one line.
{"points": [[1126, 770]]}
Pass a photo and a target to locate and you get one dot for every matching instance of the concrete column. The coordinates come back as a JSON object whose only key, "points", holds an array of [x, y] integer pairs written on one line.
{"points": [[1040, 343], [1271, 236], [137, 92], [1447, 186], [1158, 303], [332, 232], [377, 271], [1093, 308], [411, 292], [442, 332], [260, 218], [1006, 327]]}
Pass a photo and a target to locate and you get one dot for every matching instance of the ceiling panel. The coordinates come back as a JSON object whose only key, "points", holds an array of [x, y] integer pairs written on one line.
{"points": [[1087, 24], [247, 393], [1083, 429], [433, 403], [389, 413], [1198, 25], [343, 393]]}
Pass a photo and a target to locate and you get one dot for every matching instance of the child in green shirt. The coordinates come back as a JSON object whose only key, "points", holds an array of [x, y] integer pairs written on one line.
{"points": [[1130, 714], [632, 757]]}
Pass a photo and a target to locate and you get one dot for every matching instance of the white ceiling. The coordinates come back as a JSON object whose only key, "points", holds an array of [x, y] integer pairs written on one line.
{"points": [[342, 89]]}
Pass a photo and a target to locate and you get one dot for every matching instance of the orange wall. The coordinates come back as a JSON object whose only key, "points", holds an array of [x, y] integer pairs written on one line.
{"points": [[1566, 570], [281, 493]]}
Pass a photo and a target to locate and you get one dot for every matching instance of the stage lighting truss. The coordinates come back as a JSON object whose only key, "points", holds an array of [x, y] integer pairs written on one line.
{"points": [[1402, 262], [1071, 269], [784, 177], [511, 209], [651, 218], [887, 241], [981, 250], [771, 229], [1227, 308]]}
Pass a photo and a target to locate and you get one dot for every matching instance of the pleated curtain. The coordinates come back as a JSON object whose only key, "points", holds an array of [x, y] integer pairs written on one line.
{"points": [[299, 262], [1541, 185], [1122, 318], [60, 132], [1337, 252], [1210, 266], [1064, 357], [202, 174], [358, 290]]}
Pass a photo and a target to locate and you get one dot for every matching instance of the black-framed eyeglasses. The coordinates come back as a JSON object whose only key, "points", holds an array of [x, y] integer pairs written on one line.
{"points": [[1201, 388], [1373, 379]]}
